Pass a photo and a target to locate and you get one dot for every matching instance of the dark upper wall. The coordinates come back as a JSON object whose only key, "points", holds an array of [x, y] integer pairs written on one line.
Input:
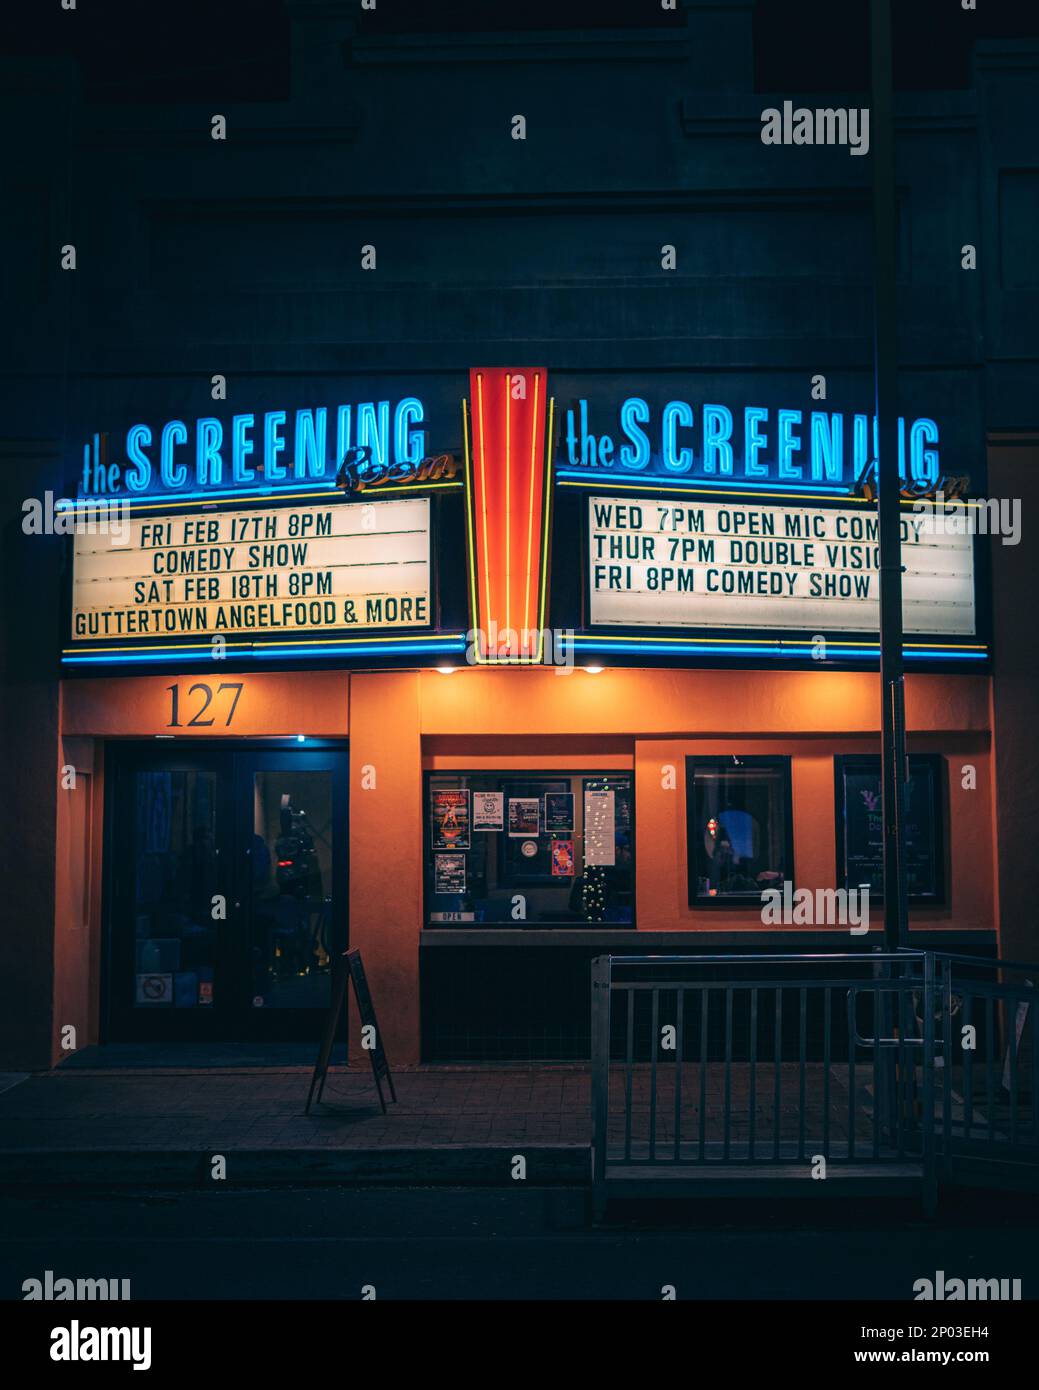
{"points": [[243, 256]]}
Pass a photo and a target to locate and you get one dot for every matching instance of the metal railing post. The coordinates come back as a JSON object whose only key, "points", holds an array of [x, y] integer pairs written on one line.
{"points": [[927, 1118], [600, 1079]]}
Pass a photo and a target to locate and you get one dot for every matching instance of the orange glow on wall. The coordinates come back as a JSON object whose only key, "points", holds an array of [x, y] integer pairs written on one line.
{"points": [[507, 497]]}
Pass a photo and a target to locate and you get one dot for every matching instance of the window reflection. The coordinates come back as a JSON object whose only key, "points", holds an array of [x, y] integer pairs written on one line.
{"points": [[176, 882], [291, 859]]}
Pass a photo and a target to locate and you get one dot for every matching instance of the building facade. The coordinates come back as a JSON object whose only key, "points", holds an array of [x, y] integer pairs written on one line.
{"points": [[490, 423]]}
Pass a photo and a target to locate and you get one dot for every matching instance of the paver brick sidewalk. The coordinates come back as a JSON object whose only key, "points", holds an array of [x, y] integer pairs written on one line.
{"points": [[259, 1108]]}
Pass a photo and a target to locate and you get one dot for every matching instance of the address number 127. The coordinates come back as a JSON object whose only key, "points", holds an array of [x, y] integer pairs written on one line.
{"points": [[207, 694]]}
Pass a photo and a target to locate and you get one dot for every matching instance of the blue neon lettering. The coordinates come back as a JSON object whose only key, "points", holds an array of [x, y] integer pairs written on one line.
{"points": [[789, 443], [373, 430], [241, 447], [754, 441], [311, 442], [343, 415], [409, 443], [175, 432], [717, 431], [273, 445], [827, 447], [677, 413], [634, 414], [209, 466], [138, 437], [924, 462]]}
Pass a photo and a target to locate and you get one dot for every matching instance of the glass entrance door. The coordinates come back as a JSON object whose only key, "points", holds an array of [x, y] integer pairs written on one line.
{"points": [[226, 891]]}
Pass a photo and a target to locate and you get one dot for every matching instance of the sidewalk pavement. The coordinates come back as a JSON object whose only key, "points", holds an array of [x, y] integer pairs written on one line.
{"points": [[457, 1124]]}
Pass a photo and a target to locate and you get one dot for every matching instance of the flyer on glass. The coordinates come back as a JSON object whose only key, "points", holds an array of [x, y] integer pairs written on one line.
{"points": [[488, 810], [449, 873], [524, 816], [600, 828], [559, 813], [450, 818], [562, 858]]}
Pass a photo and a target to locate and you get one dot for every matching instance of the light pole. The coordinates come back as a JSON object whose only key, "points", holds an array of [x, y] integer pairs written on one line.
{"points": [[885, 368]]}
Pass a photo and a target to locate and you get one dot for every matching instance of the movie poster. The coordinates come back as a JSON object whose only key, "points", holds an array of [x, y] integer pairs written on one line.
{"points": [[450, 818], [562, 858]]}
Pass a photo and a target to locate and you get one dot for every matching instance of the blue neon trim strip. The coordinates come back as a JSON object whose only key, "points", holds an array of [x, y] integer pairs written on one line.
{"points": [[749, 649], [298, 652], [655, 481]]}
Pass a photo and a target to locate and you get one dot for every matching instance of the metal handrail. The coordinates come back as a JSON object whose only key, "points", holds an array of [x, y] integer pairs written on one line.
{"points": [[717, 1026]]}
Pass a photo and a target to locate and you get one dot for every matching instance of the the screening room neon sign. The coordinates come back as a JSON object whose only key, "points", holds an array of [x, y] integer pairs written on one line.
{"points": [[753, 444]]}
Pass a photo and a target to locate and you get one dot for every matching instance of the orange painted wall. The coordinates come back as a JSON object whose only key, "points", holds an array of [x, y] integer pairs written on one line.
{"points": [[386, 851], [274, 704], [400, 721], [664, 716]]}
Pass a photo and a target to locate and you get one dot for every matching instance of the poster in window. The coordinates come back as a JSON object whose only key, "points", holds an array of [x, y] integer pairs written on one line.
{"points": [[559, 813], [450, 818], [600, 827], [860, 827], [488, 810], [562, 858], [524, 816], [449, 873]]}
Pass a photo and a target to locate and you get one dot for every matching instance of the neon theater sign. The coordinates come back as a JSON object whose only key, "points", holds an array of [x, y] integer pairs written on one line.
{"points": [[375, 441], [343, 578], [788, 449]]}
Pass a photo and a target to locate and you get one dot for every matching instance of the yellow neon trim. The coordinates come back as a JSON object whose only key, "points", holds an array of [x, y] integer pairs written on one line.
{"points": [[469, 525], [483, 497], [508, 509], [544, 541], [530, 506]]}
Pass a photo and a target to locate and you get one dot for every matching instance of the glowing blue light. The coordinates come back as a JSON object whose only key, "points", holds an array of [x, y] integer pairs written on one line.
{"points": [[241, 447], [311, 442], [827, 446], [635, 414], [789, 443], [923, 462], [373, 429], [754, 441], [301, 653], [676, 413], [138, 437], [717, 431], [209, 466], [409, 443], [273, 445], [735, 485], [174, 432]]}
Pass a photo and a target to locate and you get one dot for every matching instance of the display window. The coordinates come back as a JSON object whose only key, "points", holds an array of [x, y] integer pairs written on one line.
{"points": [[739, 826], [860, 826], [510, 849]]}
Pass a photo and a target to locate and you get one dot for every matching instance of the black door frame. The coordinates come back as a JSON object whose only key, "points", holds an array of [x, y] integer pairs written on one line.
{"points": [[233, 762]]}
